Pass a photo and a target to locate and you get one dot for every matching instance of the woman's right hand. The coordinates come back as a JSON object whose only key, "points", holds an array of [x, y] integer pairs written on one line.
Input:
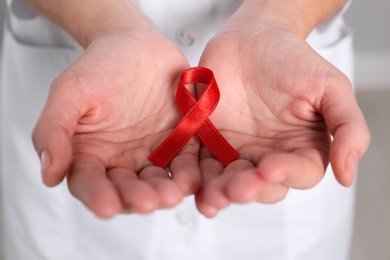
{"points": [[104, 116]]}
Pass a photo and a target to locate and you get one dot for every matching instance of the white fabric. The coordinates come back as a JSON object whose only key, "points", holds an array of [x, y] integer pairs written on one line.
{"points": [[49, 224]]}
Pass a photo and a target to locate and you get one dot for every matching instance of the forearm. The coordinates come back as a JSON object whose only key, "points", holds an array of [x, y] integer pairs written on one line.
{"points": [[300, 16], [86, 20]]}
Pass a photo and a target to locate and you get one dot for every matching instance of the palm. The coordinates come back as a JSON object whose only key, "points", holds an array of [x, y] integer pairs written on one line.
{"points": [[272, 93], [119, 97]]}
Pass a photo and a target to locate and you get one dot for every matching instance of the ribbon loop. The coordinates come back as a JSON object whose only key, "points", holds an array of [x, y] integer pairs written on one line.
{"points": [[195, 121]]}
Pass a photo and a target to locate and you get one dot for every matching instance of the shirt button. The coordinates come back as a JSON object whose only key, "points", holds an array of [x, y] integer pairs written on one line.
{"points": [[186, 36], [183, 218]]}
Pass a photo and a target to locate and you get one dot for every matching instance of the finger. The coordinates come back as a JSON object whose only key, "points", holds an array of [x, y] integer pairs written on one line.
{"points": [[185, 169], [246, 186], [136, 195], [52, 145], [210, 167], [168, 192], [87, 181], [53, 131], [302, 169], [212, 197], [349, 129]]}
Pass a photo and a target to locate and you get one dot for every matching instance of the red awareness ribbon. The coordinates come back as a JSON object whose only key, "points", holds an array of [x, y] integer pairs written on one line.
{"points": [[195, 121]]}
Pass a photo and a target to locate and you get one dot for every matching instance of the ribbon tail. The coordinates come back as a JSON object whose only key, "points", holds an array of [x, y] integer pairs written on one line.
{"points": [[216, 143]]}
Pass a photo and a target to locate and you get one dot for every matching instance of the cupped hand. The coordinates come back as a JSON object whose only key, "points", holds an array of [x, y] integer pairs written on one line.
{"points": [[280, 101], [104, 116]]}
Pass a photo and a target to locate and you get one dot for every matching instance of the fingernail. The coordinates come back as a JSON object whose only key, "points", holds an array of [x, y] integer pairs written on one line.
{"points": [[45, 161], [212, 212], [352, 163]]}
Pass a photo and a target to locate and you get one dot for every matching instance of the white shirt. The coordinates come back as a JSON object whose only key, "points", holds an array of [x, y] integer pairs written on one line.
{"points": [[49, 224]]}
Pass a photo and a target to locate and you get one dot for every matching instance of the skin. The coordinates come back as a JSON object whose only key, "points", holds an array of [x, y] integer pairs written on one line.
{"points": [[282, 96], [284, 99], [103, 140]]}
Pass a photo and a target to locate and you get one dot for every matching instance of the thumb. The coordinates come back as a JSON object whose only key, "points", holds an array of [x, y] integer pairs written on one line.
{"points": [[54, 128], [349, 129]]}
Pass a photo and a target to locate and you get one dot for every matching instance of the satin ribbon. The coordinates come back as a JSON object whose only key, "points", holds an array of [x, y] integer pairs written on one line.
{"points": [[195, 121]]}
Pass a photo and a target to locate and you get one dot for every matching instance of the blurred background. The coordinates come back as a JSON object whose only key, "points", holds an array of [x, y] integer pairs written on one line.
{"points": [[370, 21]]}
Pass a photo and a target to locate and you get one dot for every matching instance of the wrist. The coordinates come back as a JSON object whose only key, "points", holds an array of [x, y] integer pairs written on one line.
{"points": [[298, 16], [86, 20], [125, 20]]}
